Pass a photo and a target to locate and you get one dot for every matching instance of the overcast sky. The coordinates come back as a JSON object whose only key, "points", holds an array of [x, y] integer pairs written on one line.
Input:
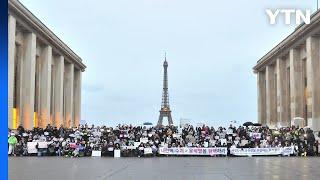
{"points": [[211, 48]]}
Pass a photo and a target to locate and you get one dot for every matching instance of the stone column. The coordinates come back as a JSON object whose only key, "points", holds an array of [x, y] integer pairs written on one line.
{"points": [[296, 83], [11, 55], [271, 105], [19, 59], [282, 109], [262, 97], [77, 97], [68, 94], [313, 73], [28, 83], [58, 91], [45, 90]]}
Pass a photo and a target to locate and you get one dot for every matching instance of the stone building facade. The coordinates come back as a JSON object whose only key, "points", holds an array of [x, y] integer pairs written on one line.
{"points": [[289, 79], [44, 74]]}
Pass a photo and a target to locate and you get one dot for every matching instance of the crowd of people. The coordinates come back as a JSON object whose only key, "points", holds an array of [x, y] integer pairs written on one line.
{"points": [[132, 140]]}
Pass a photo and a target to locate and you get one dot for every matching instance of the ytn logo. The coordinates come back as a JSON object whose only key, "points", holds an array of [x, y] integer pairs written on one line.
{"points": [[287, 13]]}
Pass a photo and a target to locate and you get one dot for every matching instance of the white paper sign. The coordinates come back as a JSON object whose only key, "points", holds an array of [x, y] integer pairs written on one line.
{"points": [[32, 147], [42, 145], [223, 141], [255, 135], [147, 150], [236, 142], [117, 153], [206, 144], [96, 154], [136, 144], [143, 140], [128, 147], [244, 142], [176, 135]]}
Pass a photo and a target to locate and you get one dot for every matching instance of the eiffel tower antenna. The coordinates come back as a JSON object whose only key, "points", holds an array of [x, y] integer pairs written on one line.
{"points": [[165, 107]]}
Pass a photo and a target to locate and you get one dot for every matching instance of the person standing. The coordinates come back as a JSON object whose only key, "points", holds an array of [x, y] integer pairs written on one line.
{"points": [[318, 144], [12, 141]]}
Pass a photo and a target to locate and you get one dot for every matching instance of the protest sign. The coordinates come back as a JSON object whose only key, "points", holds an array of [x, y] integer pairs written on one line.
{"points": [[31, 146], [223, 141], [244, 142], [147, 150], [261, 151], [128, 147], [193, 151], [73, 145], [236, 142], [42, 145], [287, 150], [131, 143], [213, 142], [117, 153], [143, 140], [206, 144], [96, 154], [263, 142], [136, 144], [255, 135], [176, 135]]}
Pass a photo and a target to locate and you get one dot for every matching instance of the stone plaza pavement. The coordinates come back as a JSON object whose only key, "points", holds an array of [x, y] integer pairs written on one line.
{"points": [[184, 168]]}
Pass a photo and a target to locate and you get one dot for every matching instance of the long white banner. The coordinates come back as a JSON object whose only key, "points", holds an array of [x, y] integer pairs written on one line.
{"points": [[193, 151], [261, 151]]}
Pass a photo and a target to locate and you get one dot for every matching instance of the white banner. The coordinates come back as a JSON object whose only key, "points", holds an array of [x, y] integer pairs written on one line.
{"points": [[32, 147], [288, 150], [193, 151], [261, 151]]}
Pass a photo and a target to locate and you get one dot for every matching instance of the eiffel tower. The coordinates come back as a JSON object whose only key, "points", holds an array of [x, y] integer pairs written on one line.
{"points": [[165, 107]]}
